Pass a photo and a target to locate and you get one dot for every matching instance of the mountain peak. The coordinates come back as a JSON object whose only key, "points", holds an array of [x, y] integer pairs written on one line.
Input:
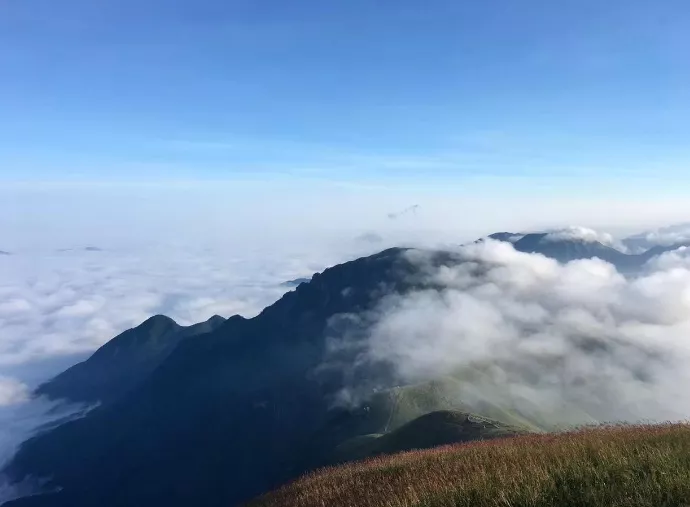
{"points": [[120, 364], [215, 321], [296, 282], [157, 321]]}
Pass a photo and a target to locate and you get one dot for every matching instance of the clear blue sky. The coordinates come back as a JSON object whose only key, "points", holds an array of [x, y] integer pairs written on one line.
{"points": [[351, 89]]}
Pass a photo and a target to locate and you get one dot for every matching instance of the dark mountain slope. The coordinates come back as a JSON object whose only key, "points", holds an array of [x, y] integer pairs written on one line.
{"points": [[122, 363], [225, 417]]}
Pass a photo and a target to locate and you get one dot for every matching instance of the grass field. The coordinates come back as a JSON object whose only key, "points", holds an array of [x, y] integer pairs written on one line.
{"points": [[604, 466]]}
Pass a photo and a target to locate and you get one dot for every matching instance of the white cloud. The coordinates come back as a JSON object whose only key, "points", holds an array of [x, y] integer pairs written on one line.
{"points": [[579, 233], [558, 343], [14, 307], [12, 392], [676, 259], [81, 308]]}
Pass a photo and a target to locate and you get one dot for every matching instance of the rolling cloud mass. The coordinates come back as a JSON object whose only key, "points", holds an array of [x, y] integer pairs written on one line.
{"points": [[560, 344]]}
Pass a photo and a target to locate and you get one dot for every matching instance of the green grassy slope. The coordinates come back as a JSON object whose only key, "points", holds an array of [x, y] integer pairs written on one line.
{"points": [[623, 466], [430, 430]]}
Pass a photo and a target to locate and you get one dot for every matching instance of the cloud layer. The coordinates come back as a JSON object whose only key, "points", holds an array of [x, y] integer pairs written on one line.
{"points": [[63, 303], [558, 344], [579, 233], [12, 392]]}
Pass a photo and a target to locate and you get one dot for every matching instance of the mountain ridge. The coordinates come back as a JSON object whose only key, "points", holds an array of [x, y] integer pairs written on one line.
{"points": [[121, 363], [568, 249]]}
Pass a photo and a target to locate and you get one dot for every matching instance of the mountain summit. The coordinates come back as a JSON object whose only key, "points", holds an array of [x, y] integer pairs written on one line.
{"points": [[122, 363]]}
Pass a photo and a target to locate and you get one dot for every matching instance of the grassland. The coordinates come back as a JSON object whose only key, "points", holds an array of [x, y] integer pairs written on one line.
{"points": [[602, 467]]}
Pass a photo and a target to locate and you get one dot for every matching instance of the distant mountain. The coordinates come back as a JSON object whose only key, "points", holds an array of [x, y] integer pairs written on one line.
{"points": [[674, 235], [569, 249], [566, 250], [122, 363], [295, 282], [508, 237], [661, 249]]}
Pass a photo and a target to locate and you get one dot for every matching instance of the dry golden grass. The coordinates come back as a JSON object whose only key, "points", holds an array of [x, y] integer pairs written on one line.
{"points": [[604, 466]]}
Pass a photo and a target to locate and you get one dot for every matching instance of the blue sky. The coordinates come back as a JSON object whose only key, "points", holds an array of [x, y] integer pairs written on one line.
{"points": [[352, 90]]}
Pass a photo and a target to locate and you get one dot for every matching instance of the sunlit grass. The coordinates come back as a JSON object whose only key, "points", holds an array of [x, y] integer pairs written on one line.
{"points": [[643, 465]]}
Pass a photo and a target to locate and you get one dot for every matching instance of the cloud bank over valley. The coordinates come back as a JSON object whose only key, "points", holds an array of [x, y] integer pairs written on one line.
{"points": [[556, 343]]}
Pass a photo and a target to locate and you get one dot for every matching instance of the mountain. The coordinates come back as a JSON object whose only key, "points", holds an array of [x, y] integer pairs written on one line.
{"points": [[569, 249], [661, 249], [122, 363], [509, 237], [674, 235], [566, 250], [228, 415], [295, 282]]}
